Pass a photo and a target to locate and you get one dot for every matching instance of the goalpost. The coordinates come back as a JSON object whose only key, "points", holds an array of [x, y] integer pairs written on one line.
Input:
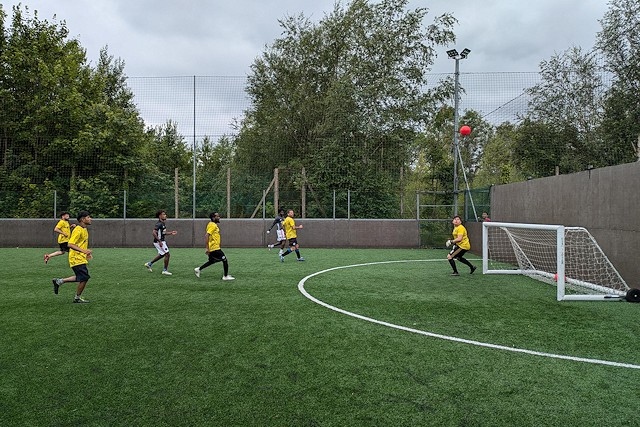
{"points": [[568, 257]]}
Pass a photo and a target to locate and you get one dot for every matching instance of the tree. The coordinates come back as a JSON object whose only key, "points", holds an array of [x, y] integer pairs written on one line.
{"points": [[105, 155], [564, 117], [344, 98], [571, 92], [164, 152], [497, 165], [42, 73], [619, 42], [64, 126], [213, 161]]}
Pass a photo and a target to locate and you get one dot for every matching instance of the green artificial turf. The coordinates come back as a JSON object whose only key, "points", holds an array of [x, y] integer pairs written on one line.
{"points": [[181, 351]]}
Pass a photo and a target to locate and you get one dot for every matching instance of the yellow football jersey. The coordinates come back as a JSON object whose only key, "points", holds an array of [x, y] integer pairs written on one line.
{"points": [[213, 234], [290, 228], [80, 238], [464, 243], [65, 227]]}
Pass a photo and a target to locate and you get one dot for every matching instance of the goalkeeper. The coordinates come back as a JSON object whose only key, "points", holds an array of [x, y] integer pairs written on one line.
{"points": [[460, 244]]}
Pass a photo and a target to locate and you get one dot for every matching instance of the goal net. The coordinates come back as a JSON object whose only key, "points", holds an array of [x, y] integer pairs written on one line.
{"points": [[567, 257]]}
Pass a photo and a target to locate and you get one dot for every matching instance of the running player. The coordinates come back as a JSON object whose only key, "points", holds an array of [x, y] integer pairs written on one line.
{"points": [[281, 239], [63, 228], [159, 233], [290, 228], [212, 248], [79, 256]]}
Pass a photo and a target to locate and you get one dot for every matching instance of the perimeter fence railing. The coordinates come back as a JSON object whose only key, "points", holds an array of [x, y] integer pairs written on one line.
{"points": [[336, 204]]}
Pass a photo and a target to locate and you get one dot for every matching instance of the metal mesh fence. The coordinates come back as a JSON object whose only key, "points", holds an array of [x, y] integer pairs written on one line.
{"points": [[209, 109], [209, 106]]}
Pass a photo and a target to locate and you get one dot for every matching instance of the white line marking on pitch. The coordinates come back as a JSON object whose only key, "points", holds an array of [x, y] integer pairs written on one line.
{"points": [[444, 337]]}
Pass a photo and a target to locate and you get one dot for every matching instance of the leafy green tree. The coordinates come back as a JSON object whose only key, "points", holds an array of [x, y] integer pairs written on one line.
{"points": [[344, 99], [619, 42], [41, 70], [539, 148], [472, 146], [564, 117], [106, 154], [571, 92], [578, 120], [213, 161], [432, 169], [165, 152], [64, 125], [497, 165]]}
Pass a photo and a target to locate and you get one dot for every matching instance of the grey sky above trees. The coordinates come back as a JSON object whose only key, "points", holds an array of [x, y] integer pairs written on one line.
{"points": [[190, 37]]}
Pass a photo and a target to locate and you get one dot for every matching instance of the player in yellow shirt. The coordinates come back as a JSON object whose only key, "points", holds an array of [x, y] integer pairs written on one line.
{"points": [[79, 256], [460, 244], [63, 228], [290, 228], [212, 248]]}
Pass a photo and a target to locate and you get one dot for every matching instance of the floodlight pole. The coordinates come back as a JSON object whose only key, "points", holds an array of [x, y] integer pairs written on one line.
{"points": [[453, 54], [456, 119]]}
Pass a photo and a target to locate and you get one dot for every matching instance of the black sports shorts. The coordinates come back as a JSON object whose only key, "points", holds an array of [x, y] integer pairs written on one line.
{"points": [[82, 272]]}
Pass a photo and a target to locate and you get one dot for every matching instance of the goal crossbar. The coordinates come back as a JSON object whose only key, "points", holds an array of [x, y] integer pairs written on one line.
{"points": [[567, 257]]}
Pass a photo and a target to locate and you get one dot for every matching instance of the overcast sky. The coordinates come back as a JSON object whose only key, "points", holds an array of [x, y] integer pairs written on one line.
{"points": [[162, 38]]}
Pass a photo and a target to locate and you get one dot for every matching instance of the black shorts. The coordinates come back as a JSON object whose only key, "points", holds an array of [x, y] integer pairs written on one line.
{"points": [[64, 247], [217, 256], [293, 242], [457, 252], [82, 272]]}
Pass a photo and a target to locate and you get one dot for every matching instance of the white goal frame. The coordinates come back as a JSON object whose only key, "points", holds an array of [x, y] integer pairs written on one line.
{"points": [[601, 293]]}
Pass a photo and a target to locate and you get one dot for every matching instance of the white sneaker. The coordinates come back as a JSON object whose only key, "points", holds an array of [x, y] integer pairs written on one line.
{"points": [[197, 271], [166, 272], [148, 265], [270, 247], [227, 277], [280, 252]]}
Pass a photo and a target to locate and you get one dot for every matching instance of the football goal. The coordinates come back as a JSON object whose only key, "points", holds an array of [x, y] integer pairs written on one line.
{"points": [[567, 257]]}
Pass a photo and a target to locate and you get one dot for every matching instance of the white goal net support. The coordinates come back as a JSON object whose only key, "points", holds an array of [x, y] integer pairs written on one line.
{"points": [[567, 257]]}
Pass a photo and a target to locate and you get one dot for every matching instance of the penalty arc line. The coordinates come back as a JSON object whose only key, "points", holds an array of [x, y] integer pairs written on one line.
{"points": [[304, 292]]}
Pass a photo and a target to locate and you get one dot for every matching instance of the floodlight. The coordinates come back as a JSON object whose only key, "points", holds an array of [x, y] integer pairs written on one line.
{"points": [[453, 54]]}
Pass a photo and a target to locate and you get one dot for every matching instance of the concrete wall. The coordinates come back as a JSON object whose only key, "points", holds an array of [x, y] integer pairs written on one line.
{"points": [[605, 201], [240, 233]]}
